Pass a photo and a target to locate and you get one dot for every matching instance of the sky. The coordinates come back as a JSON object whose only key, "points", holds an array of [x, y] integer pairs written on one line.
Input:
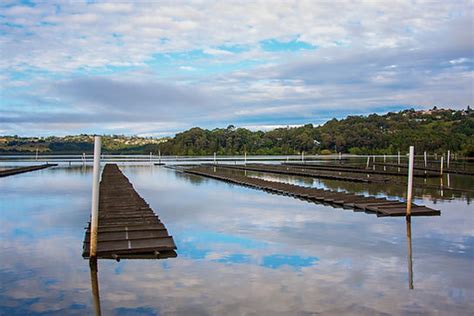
{"points": [[160, 67]]}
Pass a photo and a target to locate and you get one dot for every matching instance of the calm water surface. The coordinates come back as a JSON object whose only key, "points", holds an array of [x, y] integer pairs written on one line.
{"points": [[240, 251]]}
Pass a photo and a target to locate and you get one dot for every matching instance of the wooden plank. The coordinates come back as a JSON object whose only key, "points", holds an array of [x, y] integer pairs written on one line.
{"points": [[128, 227], [335, 198], [14, 171]]}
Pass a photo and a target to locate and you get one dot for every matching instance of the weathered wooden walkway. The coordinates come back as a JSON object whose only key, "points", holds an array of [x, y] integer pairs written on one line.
{"points": [[128, 227], [431, 169], [352, 169], [14, 171], [302, 172], [379, 206]]}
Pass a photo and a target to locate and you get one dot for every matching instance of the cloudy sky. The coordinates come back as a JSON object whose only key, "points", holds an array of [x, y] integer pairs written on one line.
{"points": [[156, 68]]}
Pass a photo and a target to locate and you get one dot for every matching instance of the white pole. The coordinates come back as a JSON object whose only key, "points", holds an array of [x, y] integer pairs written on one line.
{"points": [[410, 179], [449, 158], [95, 197], [36, 158], [426, 159], [441, 166], [150, 156], [215, 159], [159, 156], [245, 158], [368, 162], [384, 158], [398, 157], [302, 156], [340, 155]]}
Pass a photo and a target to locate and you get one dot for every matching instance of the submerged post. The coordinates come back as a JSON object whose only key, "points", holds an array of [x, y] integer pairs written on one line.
{"points": [[410, 255], [95, 197], [411, 158]]}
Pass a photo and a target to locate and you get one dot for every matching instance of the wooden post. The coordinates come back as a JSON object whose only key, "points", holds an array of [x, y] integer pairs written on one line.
{"points": [[441, 166], [95, 197], [411, 159], [448, 159]]}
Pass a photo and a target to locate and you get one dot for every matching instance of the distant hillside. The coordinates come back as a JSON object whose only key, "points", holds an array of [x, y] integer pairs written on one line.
{"points": [[435, 130], [78, 144], [432, 130]]}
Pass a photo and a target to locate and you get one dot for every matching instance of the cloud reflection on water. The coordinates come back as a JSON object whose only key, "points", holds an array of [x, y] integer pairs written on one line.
{"points": [[240, 251]]}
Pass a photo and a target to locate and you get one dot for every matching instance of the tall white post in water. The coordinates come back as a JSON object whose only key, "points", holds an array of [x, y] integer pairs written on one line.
{"points": [[449, 158], [159, 156], [441, 166], [411, 159], [302, 156], [245, 158], [368, 162], [384, 158], [36, 158], [340, 155], [426, 159], [215, 159], [398, 157], [95, 197], [151, 156]]}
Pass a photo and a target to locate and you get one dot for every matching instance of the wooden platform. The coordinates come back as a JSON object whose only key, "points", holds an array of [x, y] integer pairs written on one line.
{"points": [[311, 173], [430, 169], [128, 227], [352, 169], [379, 206], [14, 171]]}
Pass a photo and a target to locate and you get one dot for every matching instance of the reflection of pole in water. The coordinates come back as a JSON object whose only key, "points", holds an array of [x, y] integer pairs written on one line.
{"points": [[95, 286], [410, 257]]}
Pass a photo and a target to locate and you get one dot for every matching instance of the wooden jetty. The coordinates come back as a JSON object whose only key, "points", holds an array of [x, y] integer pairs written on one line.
{"points": [[431, 169], [14, 171], [128, 227], [311, 173], [369, 204], [352, 169]]}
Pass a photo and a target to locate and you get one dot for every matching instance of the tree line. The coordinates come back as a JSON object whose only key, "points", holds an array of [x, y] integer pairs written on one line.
{"points": [[435, 130]]}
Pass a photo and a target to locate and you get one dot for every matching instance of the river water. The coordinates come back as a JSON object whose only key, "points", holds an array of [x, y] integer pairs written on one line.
{"points": [[240, 251]]}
